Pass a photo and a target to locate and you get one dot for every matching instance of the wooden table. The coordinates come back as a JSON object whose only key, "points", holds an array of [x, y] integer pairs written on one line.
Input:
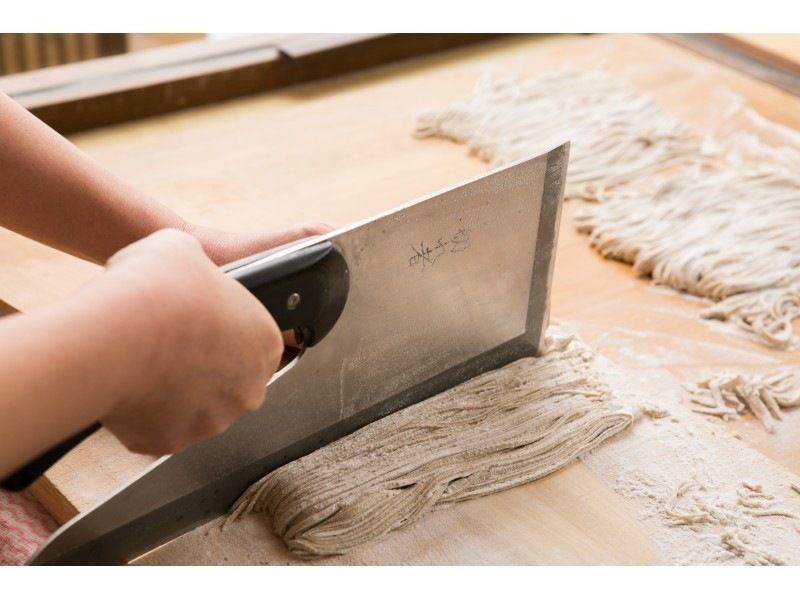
{"points": [[785, 45], [343, 150]]}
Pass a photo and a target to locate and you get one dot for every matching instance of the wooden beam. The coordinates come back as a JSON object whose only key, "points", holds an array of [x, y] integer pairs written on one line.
{"points": [[743, 56], [110, 90]]}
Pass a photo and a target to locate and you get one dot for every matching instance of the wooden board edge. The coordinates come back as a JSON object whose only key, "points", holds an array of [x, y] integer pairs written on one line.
{"points": [[53, 500], [742, 56], [209, 72], [43, 490]]}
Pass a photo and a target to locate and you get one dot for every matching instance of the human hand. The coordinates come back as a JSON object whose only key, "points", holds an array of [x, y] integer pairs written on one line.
{"points": [[224, 247], [204, 347]]}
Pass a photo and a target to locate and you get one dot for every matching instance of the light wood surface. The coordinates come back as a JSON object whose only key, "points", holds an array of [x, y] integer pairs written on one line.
{"points": [[567, 517], [343, 150], [786, 45]]}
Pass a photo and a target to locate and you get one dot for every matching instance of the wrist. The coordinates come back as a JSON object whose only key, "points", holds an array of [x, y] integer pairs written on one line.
{"points": [[125, 336]]}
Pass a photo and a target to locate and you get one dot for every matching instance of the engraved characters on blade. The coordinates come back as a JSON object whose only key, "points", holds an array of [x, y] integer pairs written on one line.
{"points": [[425, 254]]}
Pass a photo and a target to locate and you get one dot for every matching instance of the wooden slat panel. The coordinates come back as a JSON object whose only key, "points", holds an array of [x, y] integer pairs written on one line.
{"points": [[21, 52], [33, 58], [9, 54]]}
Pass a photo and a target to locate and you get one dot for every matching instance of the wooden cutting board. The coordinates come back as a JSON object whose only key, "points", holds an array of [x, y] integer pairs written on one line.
{"points": [[785, 45], [343, 150]]}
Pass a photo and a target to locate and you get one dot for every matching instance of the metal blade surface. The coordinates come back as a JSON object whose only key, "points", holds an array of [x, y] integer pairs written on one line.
{"points": [[441, 290]]}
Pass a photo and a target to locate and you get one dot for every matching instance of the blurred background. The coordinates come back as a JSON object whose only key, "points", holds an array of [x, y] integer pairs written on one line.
{"points": [[21, 52]]}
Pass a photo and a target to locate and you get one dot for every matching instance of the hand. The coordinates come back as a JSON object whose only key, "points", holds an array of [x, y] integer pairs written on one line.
{"points": [[205, 347], [224, 248]]}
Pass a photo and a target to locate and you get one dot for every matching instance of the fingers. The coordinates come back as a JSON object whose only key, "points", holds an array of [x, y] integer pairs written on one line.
{"points": [[223, 247], [214, 346], [164, 242], [296, 233]]}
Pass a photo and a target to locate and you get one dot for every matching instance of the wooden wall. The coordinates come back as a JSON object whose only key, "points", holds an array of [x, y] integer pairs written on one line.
{"points": [[27, 51]]}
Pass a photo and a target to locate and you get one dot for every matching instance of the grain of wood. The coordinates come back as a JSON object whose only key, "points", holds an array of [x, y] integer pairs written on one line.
{"points": [[279, 158]]}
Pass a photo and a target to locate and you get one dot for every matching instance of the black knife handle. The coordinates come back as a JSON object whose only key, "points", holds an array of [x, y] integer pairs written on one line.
{"points": [[26, 475], [304, 290]]}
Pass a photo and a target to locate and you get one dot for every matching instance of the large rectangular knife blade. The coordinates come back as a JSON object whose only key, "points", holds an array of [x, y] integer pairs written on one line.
{"points": [[440, 290]]}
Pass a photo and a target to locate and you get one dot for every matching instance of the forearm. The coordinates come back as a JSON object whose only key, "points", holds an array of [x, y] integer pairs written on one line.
{"points": [[52, 192], [64, 368]]}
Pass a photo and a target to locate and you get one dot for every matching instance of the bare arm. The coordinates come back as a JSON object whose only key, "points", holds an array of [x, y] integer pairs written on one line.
{"points": [[162, 347], [52, 192]]}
